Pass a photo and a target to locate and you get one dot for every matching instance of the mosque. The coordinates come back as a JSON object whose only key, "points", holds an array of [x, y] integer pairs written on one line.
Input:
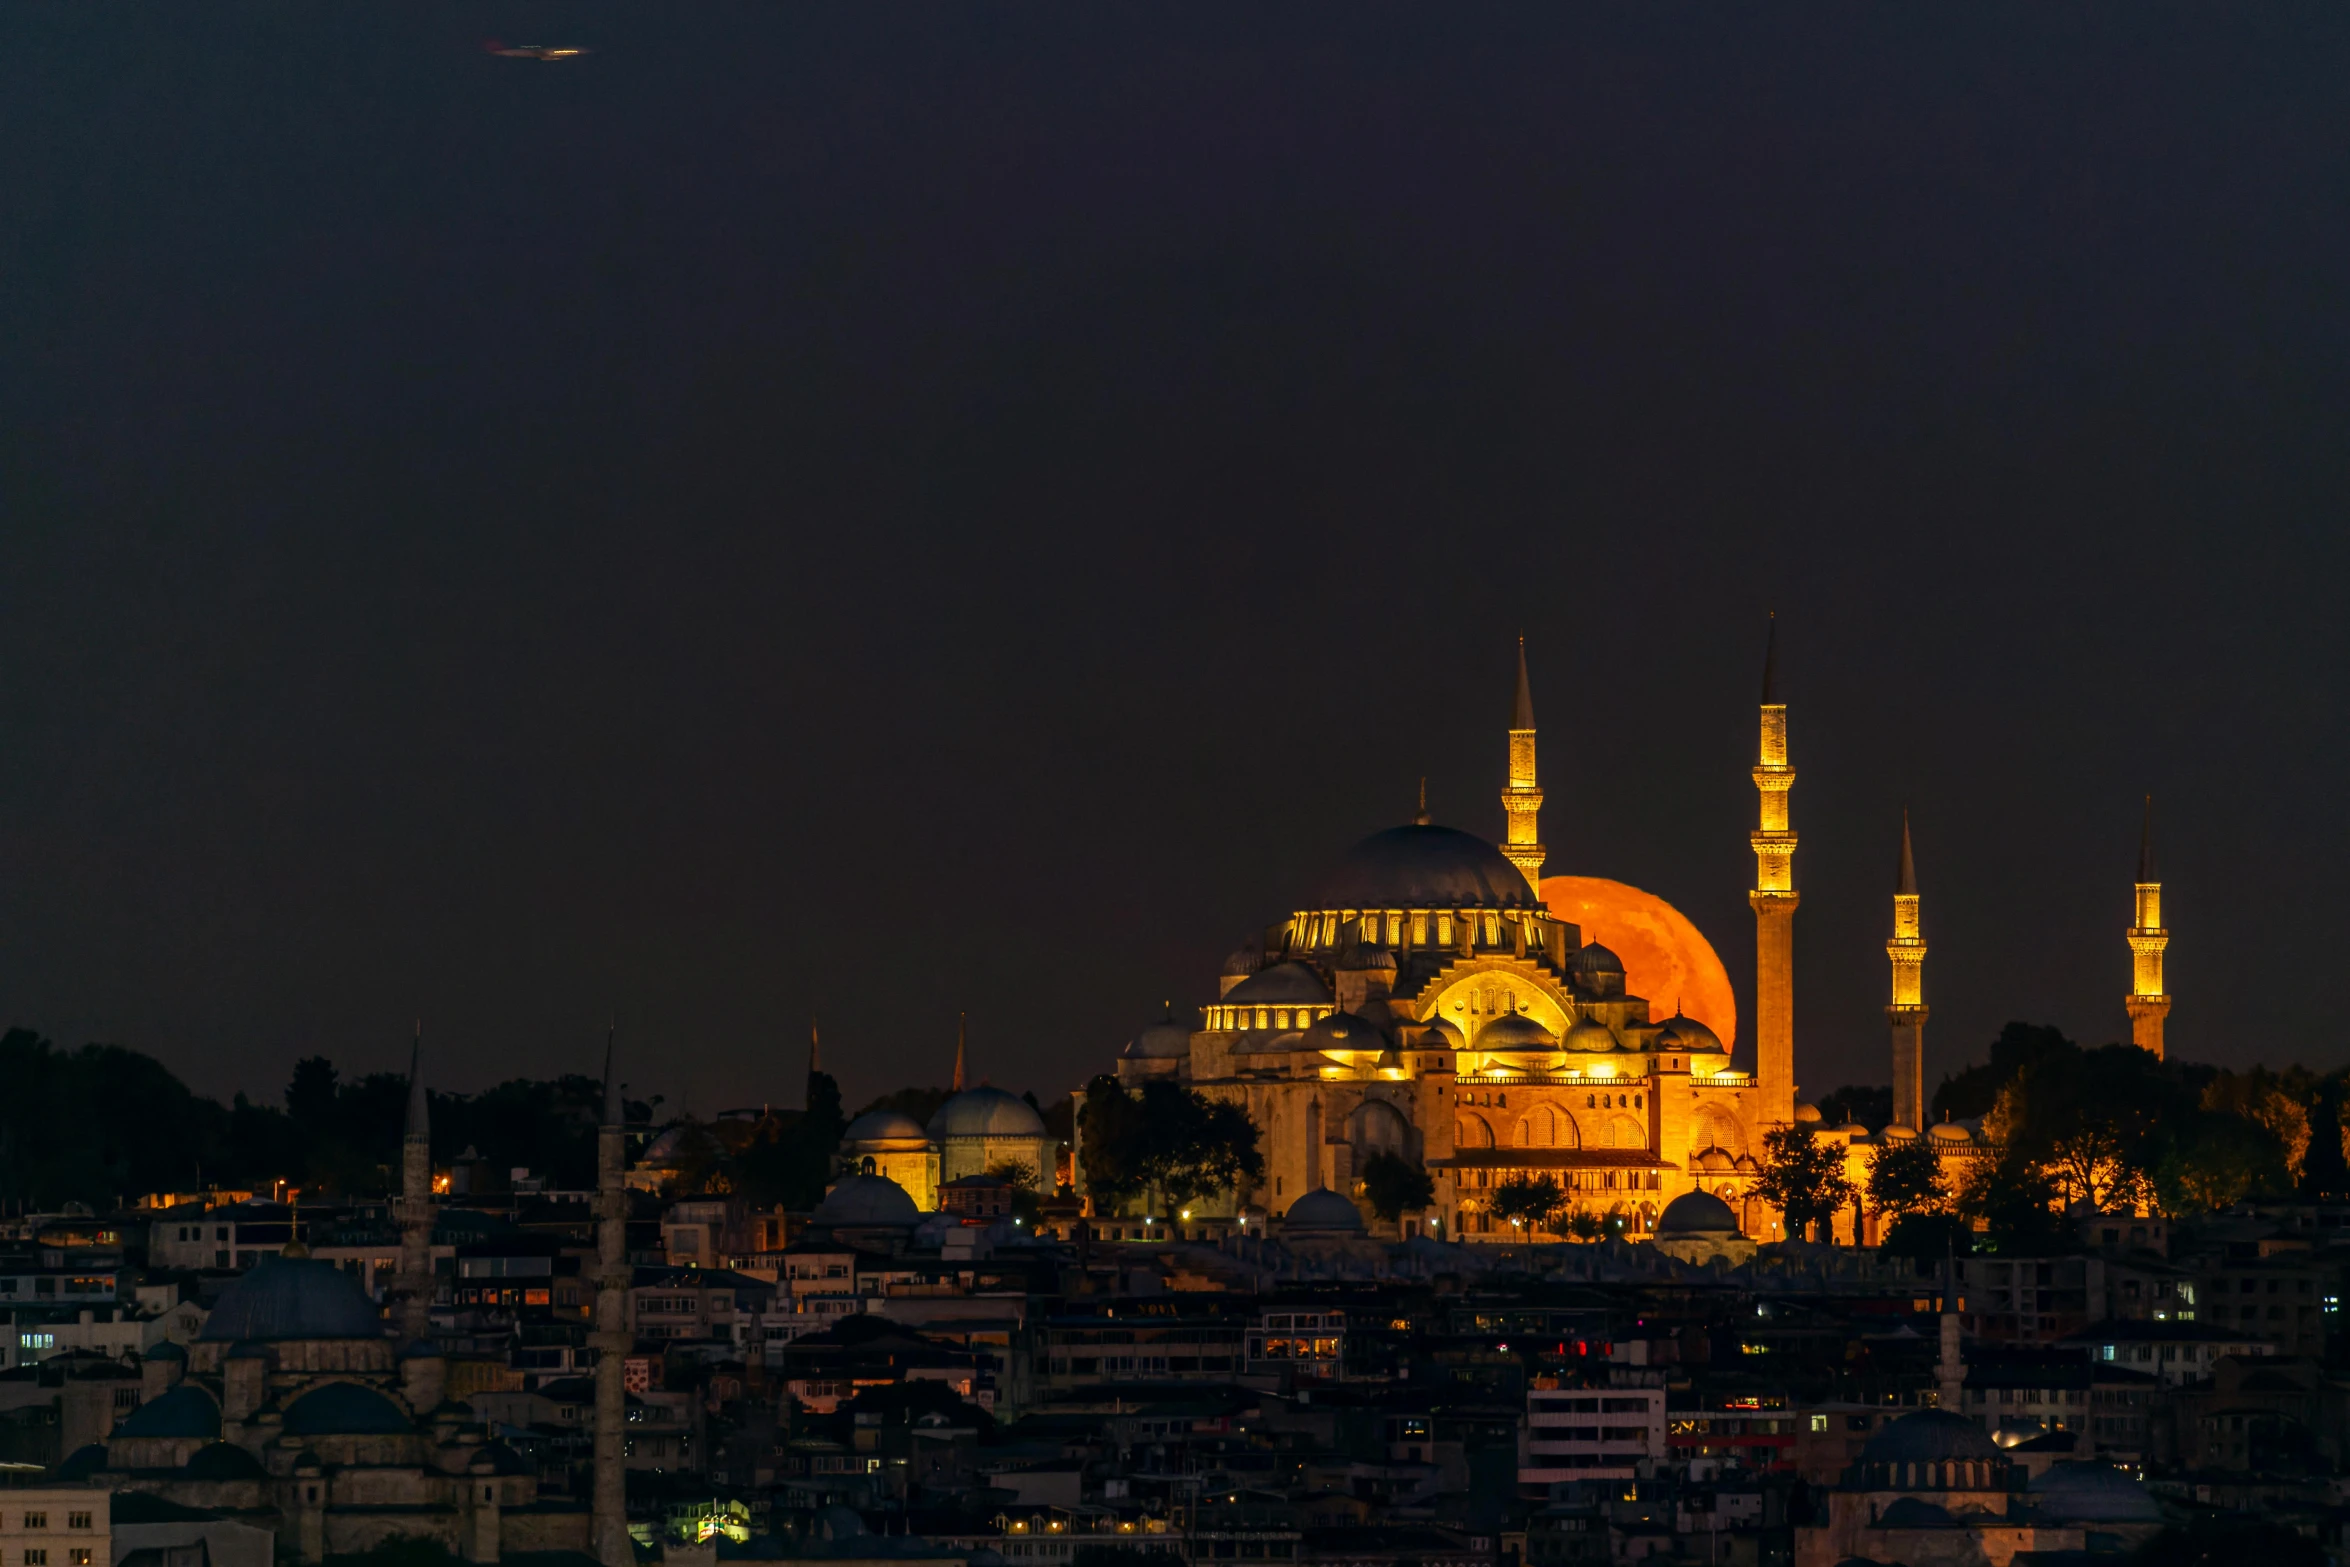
{"points": [[1437, 997]]}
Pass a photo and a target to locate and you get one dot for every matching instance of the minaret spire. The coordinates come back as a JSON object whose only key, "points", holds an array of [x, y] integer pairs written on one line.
{"points": [[2148, 1002], [1906, 1014], [962, 1022], [608, 1518], [1774, 899], [1521, 802]]}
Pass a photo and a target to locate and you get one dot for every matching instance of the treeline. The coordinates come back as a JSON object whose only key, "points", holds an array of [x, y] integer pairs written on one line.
{"points": [[2066, 1127]]}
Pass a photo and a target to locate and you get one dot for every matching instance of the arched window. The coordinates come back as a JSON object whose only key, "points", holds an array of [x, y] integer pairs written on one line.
{"points": [[868, 1166]]}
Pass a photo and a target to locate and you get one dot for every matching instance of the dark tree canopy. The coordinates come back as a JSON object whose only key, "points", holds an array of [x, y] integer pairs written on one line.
{"points": [[1396, 1186], [1803, 1177], [1530, 1201], [1169, 1143]]}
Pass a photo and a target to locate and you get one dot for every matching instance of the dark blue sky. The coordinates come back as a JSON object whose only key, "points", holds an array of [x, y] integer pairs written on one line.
{"points": [[891, 509]]}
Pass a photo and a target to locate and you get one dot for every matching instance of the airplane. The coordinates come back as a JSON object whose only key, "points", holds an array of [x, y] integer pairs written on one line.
{"points": [[532, 51]]}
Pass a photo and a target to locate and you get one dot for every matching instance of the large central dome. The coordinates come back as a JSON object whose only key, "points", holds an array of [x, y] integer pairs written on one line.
{"points": [[1422, 867]]}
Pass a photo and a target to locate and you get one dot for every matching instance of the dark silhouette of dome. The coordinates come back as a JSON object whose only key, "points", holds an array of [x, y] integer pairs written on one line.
{"points": [[1928, 1436], [1367, 958], [1688, 1034], [345, 1409], [82, 1463], [2092, 1493], [1592, 958], [184, 1411], [986, 1112], [1589, 1034], [1914, 1512], [1247, 958], [1443, 1034], [1323, 1209], [1165, 1040], [882, 1126], [292, 1298], [1343, 1031], [1696, 1215], [1284, 984], [1514, 1031], [1425, 867], [223, 1461], [866, 1200]]}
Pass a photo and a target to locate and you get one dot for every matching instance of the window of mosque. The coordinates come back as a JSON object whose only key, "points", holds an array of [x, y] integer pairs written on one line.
{"points": [[1444, 930]]}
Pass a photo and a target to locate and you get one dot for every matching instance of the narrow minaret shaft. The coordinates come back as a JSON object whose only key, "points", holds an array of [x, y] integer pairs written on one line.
{"points": [[1774, 898], [2148, 1002], [611, 1337], [416, 1206], [1521, 802], [1906, 1014]]}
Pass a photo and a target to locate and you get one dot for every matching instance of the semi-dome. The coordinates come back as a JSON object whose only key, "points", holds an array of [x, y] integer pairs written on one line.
{"points": [[986, 1112], [1690, 1035], [1323, 1209], [1443, 1034], [292, 1298], [861, 1201], [1284, 984], [1807, 1115], [883, 1126], [1165, 1040], [1930, 1436], [2092, 1493], [1246, 959], [1343, 1031], [345, 1409], [1514, 1031], [1592, 958], [1367, 958], [1264, 1042], [1696, 1216], [1589, 1033], [1852, 1129], [1714, 1161], [186, 1410], [1425, 867], [82, 1463], [1895, 1132], [222, 1461]]}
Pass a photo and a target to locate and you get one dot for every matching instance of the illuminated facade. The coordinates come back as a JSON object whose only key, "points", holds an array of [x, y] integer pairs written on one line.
{"points": [[2148, 1002], [1425, 1001]]}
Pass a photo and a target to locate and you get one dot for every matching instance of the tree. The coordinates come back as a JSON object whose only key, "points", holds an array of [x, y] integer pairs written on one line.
{"points": [[1972, 1092], [1528, 1201], [2277, 1103], [1586, 1226], [1906, 1178], [2216, 1160], [2016, 1201], [1803, 1177], [1927, 1238], [1396, 1186], [1169, 1142]]}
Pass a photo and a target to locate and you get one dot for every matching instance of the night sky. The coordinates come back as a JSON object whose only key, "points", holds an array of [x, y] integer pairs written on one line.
{"points": [[882, 510]]}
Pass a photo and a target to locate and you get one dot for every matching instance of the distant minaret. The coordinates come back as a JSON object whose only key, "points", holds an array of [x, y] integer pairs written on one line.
{"points": [[610, 1339], [1950, 1368], [416, 1215], [2148, 1002], [1522, 800], [1774, 898], [962, 1020], [1907, 1013]]}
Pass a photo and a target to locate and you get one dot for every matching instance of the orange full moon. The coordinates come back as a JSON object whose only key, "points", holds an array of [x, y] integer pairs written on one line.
{"points": [[1665, 957]]}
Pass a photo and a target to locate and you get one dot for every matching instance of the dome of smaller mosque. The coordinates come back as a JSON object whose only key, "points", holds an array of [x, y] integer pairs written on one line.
{"points": [[883, 1126], [2092, 1493], [861, 1201], [1343, 1031], [1246, 959], [223, 1461], [292, 1298], [187, 1410], [986, 1112], [1948, 1132], [1165, 1040], [1715, 1161], [1696, 1215], [1853, 1129], [1690, 1034], [345, 1409], [1284, 984], [1323, 1209], [1930, 1436], [1589, 1034], [1807, 1115], [1443, 1034], [1514, 1031]]}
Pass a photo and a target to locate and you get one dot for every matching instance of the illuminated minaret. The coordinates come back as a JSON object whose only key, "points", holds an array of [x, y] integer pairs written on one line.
{"points": [[415, 1207], [2148, 1002], [1907, 1012], [1522, 800], [610, 1543], [1774, 899]]}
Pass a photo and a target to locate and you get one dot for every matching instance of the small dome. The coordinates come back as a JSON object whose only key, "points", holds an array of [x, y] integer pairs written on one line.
{"points": [[1747, 1166], [861, 1201], [1930, 1436], [1284, 984], [1513, 1031], [1246, 959], [1696, 1216], [1853, 1129], [1263, 1042], [1368, 958], [223, 1461], [1443, 1034], [1895, 1132], [187, 1410], [1690, 1035], [1715, 1161], [882, 1126], [986, 1112], [293, 1298], [1344, 1031], [1915, 1512], [1807, 1115], [1592, 958], [1165, 1040], [166, 1350], [1589, 1034], [82, 1463], [1949, 1132], [1425, 867], [1323, 1209], [345, 1409], [2092, 1493]]}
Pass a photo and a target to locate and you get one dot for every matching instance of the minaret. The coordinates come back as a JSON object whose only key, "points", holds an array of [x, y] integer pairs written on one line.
{"points": [[962, 1020], [416, 1215], [1774, 898], [1522, 800], [1950, 1368], [611, 1339], [1907, 1012], [2148, 1002]]}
